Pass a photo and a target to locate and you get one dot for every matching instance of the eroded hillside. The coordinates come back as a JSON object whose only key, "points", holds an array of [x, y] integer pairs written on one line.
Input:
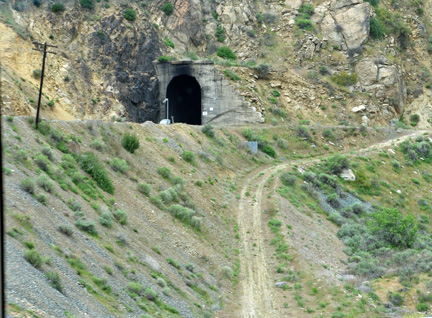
{"points": [[347, 62], [191, 224]]}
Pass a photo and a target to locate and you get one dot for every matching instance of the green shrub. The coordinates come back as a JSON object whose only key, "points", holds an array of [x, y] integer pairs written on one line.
{"points": [[29, 245], [344, 79], [376, 29], [282, 143], [226, 53], [144, 188], [168, 8], [150, 294], [58, 7], [220, 33], [119, 165], [33, 257], [373, 2], [130, 15], [396, 299], [106, 219], [173, 263], [168, 42], [121, 216], [422, 307], [42, 198], [414, 119], [165, 172], [43, 162], [37, 73], [328, 134], [65, 229], [288, 179], [267, 149], [54, 280], [28, 185], [130, 142], [231, 75], [90, 164], [337, 163], [165, 59], [391, 226], [134, 287], [188, 156], [97, 144], [45, 182], [304, 24], [303, 132], [208, 130], [86, 226], [263, 70], [306, 10], [88, 4]]}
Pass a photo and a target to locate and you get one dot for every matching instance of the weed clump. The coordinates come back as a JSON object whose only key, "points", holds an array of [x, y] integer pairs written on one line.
{"points": [[144, 188], [119, 165], [90, 164], [33, 257], [54, 280], [28, 185], [87, 226], [120, 216], [208, 130], [106, 219]]}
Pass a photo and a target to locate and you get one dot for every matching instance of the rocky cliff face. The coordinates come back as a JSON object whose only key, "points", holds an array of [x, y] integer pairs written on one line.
{"points": [[105, 63]]}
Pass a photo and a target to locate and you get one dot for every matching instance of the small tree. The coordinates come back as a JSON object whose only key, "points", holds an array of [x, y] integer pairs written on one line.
{"points": [[130, 15], [392, 227]]}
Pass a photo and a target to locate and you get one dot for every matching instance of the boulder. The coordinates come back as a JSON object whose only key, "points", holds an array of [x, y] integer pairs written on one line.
{"points": [[384, 80], [358, 109], [347, 175]]}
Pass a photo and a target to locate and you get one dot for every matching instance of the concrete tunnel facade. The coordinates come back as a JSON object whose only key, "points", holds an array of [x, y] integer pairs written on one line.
{"points": [[198, 94]]}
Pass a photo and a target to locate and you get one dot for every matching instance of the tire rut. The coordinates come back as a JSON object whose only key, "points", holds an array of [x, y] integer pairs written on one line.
{"points": [[256, 283]]}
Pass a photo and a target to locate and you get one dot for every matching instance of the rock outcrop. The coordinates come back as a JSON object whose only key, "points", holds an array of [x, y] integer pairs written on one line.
{"points": [[384, 80], [346, 23]]}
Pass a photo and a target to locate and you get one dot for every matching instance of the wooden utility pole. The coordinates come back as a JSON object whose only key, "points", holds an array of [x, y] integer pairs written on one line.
{"points": [[42, 75]]}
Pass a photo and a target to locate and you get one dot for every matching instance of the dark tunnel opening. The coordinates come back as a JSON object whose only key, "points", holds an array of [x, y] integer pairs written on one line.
{"points": [[184, 95]]}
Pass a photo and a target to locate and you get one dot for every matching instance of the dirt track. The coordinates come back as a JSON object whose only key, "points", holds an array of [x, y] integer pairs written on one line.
{"points": [[257, 300]]}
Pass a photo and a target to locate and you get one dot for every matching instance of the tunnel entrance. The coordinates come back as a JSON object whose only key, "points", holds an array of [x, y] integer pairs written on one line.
{"points": [[184, 95]]}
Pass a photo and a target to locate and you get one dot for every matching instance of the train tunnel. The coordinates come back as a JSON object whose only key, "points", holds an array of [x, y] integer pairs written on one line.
{"points": [[184, 95]]}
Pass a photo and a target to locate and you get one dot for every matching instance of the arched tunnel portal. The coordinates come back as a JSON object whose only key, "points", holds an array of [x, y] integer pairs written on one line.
{"points": [[184, 98]]}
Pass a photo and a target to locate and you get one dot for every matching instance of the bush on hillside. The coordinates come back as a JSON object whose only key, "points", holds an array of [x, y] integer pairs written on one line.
{"points": [[208, 130], [376, 29], [90, 164], [88, 4], [168, 8], [130, 142], [58, 7], [130, 15], [391, 226], [226, 53], [337, 163]]}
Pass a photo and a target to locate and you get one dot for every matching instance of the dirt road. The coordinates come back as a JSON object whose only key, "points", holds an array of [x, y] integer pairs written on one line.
{"points": [[256, 283]]}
